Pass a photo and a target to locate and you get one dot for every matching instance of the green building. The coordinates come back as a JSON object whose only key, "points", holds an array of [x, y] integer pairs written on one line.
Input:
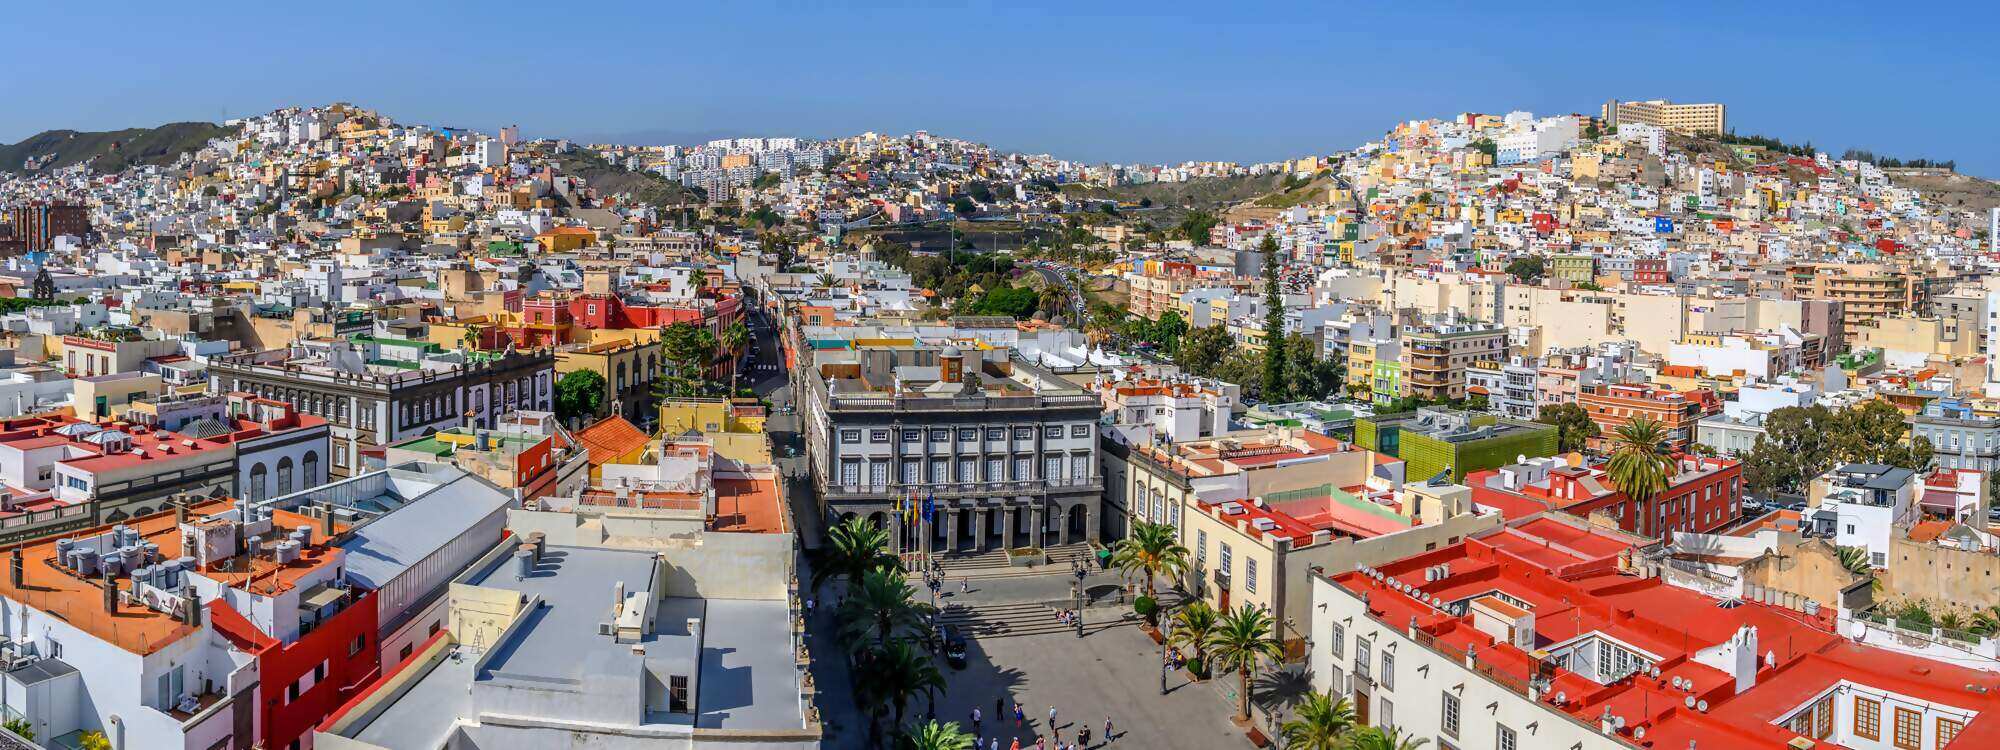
{"points": [[1575, 268], [1434, 439], [1386, 381]]}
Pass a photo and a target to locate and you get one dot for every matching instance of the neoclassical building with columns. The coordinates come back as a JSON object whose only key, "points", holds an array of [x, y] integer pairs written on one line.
{"points": [[1005, 452]]}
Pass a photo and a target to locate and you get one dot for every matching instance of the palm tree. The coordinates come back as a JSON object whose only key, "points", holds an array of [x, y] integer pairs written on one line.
{"points": [[1378, 738], [1952, 621], [734, 338], [1855, 560], [1192, 626], [853, 547], [1639, 465], [894, 674], [1321, 723], [1150, 551], [881, 606], [823, 280], [933, 735], [1242, 641], [1986, 621]]}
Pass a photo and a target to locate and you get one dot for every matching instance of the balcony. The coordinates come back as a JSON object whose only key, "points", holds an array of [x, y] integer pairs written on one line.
{"points": [[950, 490]]}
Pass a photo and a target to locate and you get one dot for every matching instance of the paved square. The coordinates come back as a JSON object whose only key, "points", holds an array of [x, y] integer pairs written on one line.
{"points": [[1018, 652]]}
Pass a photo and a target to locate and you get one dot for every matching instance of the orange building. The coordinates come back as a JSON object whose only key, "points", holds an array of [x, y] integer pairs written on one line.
{"points": [[1612, 406]]}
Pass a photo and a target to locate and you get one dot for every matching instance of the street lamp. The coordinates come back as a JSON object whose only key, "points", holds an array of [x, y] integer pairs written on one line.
{"points": [[1164, 668], [1076, 589]]}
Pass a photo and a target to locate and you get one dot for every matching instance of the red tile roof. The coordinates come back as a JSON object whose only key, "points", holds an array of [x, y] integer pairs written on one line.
{"points": [[610, 438]]}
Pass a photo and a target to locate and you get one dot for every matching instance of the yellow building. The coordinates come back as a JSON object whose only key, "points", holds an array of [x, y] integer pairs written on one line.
{"points": [[736, 428], [629, 369], [103, 398], [1680, 118]]}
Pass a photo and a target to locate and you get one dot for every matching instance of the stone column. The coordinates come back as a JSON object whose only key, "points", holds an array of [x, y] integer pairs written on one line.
{"points": [[979, 528], [1062, 514], [1038, 517], [1089, 529], [950, 528]]}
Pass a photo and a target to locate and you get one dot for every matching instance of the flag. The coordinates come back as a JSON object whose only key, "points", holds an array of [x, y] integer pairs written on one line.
{"points": [[909, 509], [930, 507]]}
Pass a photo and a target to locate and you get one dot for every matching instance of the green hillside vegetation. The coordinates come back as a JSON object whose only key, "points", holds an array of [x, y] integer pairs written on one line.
{"points": [[111, 151], [1294, 191], [1201, 192]]}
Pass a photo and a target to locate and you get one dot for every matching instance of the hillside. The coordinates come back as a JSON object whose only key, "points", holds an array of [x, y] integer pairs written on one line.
{"points": [[110, 151], [1948, 188], [610, 179], [1205, 193]]}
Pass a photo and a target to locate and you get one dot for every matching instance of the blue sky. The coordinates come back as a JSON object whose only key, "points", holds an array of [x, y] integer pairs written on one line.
{"points": [[1161, 82]]}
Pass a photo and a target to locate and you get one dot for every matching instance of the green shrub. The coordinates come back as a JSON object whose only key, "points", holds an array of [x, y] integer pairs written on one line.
{"points": [[1146, 607]]}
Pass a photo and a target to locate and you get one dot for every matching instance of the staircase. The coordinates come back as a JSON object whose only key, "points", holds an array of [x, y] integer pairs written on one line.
{"points": [[1031, 618]]}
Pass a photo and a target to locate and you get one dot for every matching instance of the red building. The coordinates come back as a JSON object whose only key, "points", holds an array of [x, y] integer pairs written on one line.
{"points": [[1703, 495], [1649, 271]]}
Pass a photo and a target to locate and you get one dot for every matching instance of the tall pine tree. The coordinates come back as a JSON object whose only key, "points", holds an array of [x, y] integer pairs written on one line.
{"points": [[1274, 325]]}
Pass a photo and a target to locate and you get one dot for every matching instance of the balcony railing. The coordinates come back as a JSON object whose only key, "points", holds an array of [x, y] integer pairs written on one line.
{"points": [[961, 489]]}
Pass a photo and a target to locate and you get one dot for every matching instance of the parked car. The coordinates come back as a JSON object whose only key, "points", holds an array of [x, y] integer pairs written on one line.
{"points": [[954, 647]]}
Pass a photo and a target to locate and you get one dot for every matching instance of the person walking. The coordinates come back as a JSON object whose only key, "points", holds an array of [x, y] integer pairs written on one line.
{"points": [[1052, 718], [1019, 715], [996, 744], [1083, 735], [965, 585], [1000, 706], [1016, 745], [975, 721], [1041, 743], [1107, 730]]}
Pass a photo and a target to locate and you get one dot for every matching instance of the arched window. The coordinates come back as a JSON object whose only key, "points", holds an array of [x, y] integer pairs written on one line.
{"points": [[312, 476], [284, 476], [255, 492], [620, 388]]}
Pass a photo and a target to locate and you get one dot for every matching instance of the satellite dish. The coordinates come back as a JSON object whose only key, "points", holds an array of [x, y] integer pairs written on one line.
{"points": [[1639, 733], [1701, 706], [1561, 698], [1618, 721], [1689, 701]]}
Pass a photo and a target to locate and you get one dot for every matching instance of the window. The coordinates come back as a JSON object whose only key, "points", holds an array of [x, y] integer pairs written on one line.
{"points": [[1504, 737], [878, 436], [1079, 431], [1250, 575], [1337, 645], [1388, 671], [878, 473], [1024, 433], [1223, 550], [940, 435], [1362, 657], [1201, 560], [913, 472], [850, 472], [404, 655], [1450, 715], [1909, 729], [968, 434], [1385, 714], [434, 629], [360, 642], [1947, 730], [1024, 469], [850, 436], [996, 433], [1052, 432], [913, 436]]}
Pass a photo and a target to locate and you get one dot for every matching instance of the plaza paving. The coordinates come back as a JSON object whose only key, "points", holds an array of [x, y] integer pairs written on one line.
{"points": [[1018, 652]]}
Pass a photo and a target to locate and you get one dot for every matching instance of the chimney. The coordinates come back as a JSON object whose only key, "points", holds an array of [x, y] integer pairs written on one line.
{"points": [[180, 509], [191, 606], [326, 523], [110, 594], [14, 570]]}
